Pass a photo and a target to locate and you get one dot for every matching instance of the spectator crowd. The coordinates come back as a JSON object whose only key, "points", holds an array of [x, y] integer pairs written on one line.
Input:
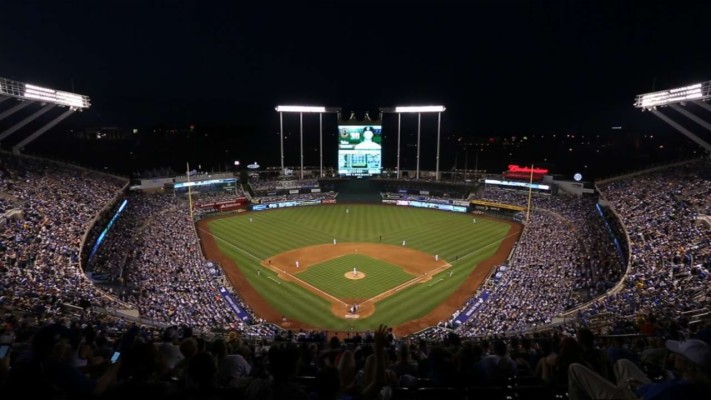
{"points": [[568, 259]]}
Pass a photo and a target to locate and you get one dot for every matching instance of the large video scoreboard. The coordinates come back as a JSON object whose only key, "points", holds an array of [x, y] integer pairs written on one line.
{"points": [[359, 150]]}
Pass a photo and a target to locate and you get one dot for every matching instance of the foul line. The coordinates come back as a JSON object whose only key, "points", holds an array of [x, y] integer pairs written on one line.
{"points": [[231, 245], [432, 272], [409, 283], [274, 269]]}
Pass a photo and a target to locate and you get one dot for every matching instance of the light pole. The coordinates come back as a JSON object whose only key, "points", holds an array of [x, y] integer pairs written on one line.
{"points": [[301, 110], [417, 170], [281, 139], [466, 160], [398, 145], [419, 110], [476, 161], [301, 143], [439, 123]]}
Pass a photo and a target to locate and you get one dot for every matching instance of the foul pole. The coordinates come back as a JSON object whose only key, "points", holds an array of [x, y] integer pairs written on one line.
{"points": [[530, 192], [190, 193]]}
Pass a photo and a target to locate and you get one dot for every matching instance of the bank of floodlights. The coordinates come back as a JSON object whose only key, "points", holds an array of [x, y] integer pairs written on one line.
{"points": [[29, 94], [675, 99], [26, 91], [301, 110], [695, 92], [417, 110]]}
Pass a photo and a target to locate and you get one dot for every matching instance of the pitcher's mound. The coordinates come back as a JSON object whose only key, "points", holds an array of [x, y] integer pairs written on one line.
{"points": [[357, 275]]}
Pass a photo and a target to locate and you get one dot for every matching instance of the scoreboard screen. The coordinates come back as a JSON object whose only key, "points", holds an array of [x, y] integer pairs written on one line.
{"points": [[359, 150]]}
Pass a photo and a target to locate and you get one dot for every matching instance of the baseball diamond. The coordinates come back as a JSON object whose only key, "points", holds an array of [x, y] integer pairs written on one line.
{"points": [[414, 286]]}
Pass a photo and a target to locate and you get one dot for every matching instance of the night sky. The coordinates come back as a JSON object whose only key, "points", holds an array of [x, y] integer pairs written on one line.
{"points": [[500, 67]]}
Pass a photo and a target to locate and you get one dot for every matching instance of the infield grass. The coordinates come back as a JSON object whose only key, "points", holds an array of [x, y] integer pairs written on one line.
{"points": [[452, 236], [379, 276]]}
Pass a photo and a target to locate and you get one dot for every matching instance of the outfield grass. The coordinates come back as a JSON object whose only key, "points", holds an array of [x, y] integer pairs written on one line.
{"points": [[379, 276], [451, 235]]}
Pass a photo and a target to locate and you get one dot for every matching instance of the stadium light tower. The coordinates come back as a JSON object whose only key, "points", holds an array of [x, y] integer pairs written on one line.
{"points": [[29, 94], [674, 98], [697, 91], [419, 110], [301, 110]]}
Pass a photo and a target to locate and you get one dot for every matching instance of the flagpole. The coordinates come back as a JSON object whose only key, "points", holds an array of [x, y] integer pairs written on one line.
{"points": [[530, 192], [190, 194]]}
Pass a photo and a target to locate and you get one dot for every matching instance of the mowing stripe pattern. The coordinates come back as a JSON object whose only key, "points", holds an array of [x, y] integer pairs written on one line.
{"points": [[452, 236]]}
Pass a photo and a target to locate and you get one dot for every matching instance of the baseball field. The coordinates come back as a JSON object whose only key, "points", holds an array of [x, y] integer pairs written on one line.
{"points": [[352, 267]]}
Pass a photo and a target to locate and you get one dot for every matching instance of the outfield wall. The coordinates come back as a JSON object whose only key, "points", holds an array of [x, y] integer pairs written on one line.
{"points": [[498, 210]]}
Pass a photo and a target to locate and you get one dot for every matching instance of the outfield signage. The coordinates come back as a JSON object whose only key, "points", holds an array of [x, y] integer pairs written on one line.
{"points": [[204, 183], [488, 205], [286, 204], [515, 184], [449, 207], [424, 204], [282, 204], [227, 205]]}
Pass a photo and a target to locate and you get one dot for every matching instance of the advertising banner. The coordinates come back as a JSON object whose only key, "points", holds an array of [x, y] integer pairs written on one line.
{"points": [[234, 306]]}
